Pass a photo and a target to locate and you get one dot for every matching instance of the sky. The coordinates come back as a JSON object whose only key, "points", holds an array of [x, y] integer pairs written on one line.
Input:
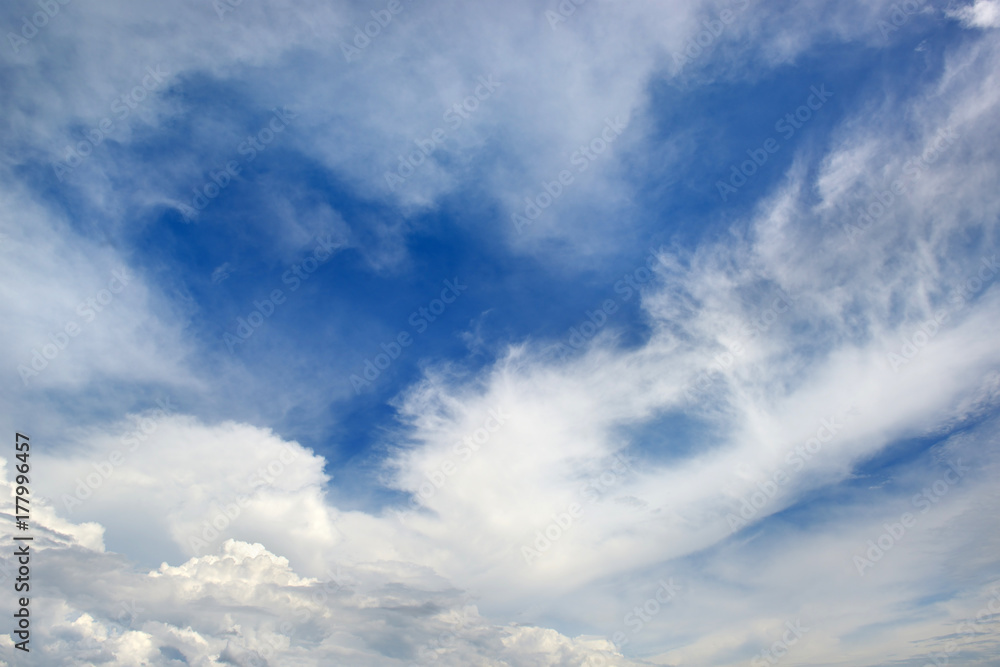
{"points": [[532, 333]]}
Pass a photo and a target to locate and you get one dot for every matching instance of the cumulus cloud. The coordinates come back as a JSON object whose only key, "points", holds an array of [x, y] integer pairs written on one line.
{"points": [[244, 605]]}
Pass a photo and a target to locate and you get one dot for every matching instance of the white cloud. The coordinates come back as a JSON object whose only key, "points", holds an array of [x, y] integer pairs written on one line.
{"points": [[79, 310], [244, 605], [357, 117], [980, 14]]}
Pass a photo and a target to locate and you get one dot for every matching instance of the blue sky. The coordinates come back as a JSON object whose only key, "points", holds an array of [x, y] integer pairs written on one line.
{"points": [[500, 326]]}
